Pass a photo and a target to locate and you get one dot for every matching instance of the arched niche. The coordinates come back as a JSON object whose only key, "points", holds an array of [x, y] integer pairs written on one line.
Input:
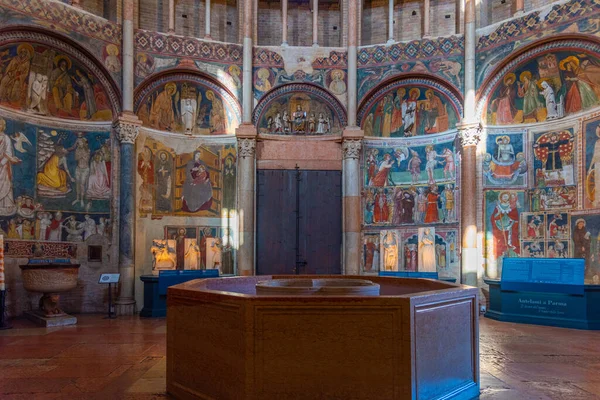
{"points": [[547, 81], [49, 76], [187, 102], [299, 109], [411, 106]]}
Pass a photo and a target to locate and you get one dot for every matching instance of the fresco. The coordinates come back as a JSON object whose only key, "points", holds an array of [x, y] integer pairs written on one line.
{"points": [[586, 243], [299, 114], [502, 209], [55, 185], [409, 110], [546, 87], [187, 106], [545, 235], [41, 80], [389, 249], [554, 159], [591, 163], [505, 161], [553, 198], [200, 182], [371, 252]]}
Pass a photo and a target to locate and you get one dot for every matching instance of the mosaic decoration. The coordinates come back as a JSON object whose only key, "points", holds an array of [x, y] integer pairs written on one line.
{"points": [[199, 182], [26, 249], [49, 81], [545, 83], [585, 236], [501, 225], [409, 107], [55, 185], [591, 163], [505, 162], [311, 100], [554, 158], [187, 47], [188, 104]]}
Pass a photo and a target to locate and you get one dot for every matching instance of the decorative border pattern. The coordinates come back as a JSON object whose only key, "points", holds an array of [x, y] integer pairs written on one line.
{"points": [[107, 83], [490, 87], [537, 21], [397, 83], [24, 249], [411, 51], [68, 17], [150, 87], [187, 47], [314, 90], [56, 123]]}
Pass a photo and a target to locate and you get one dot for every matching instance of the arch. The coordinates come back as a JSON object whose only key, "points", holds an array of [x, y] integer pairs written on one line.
{"points": [[543, 59], [77, 56], [323, 100], [444, 92], [194, 86]]}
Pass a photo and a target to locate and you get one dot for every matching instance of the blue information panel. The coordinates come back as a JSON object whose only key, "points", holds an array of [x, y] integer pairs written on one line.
{"points": [[550, 275], [408, 274]]}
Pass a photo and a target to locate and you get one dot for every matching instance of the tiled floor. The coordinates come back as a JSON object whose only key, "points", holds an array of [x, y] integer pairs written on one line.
{"points": [[125, 359]]}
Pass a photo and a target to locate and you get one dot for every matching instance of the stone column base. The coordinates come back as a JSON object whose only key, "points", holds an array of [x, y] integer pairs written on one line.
{"points": [[125, 307]]}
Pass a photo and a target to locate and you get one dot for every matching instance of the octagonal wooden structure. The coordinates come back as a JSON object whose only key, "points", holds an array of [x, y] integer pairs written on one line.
{"points": [[417, 340]]}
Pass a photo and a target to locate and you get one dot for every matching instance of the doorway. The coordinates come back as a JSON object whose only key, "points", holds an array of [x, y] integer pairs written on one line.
{"points": [[299, 222]]}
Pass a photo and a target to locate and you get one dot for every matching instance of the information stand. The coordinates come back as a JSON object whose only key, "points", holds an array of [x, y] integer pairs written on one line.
{"points": [[544, 291], [109, 279]]}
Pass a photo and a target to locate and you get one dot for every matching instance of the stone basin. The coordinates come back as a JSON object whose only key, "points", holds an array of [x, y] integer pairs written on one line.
{"points": [[50, 279], [415, 339]]}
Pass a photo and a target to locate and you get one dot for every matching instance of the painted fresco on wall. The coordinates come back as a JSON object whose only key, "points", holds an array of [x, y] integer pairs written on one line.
{"points": [[389, 249], [554, 158], [586, 243], [450, 69], [195, 183], [505, 162], [188, 107], [55, 185], [371, 252], [502, 225], [41, 80], [410, 110], [553, 198], [591, 162], [546, 235], [546, 87], [299, 114]]}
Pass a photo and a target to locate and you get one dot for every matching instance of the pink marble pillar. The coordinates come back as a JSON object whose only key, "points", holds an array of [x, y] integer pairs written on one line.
{"points": [[519, 7], [171, 16], [315, 22], [207, 20], [426, 18]]}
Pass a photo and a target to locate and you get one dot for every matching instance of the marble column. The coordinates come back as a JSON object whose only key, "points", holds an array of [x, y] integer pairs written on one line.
{"points": [[469, 134], [351, 146], [391, 21], [246, 193], [126, 130], [352, 61], [426, 22], [519, 7], [284, 22], [315, 22], [247, 63], [171, 16], [207, 20]]}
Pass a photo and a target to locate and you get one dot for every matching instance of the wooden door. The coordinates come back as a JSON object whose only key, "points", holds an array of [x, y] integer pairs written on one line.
{"points": [[318, 231]]}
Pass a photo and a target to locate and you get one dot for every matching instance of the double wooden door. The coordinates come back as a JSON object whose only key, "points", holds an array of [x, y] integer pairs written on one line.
{"points": [[299, 222]]}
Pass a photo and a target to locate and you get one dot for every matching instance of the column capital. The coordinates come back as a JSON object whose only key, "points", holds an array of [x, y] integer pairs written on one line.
{"points": [[469, 133], [127, 127], [351, 148], [246, 147]]}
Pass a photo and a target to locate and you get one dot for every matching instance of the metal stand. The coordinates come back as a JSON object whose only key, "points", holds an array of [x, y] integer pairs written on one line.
{"points": [[3, 321], [299, 262], [111, 314]]}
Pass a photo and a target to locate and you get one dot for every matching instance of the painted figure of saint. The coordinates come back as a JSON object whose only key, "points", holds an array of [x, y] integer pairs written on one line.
{"points": [[192, 255], [504, 103], [382, 210], [505, 226], [197, 189], [388, 106], [408, 206], [99, 181], [421, 205], [382, 176], [437, 115], [13, 84], [426, 250], [414, 166], [164, 182], [61, 85], [82, 169], [553, 161], [528, 90], [390, 252], [162, 115], [88, 93], [594, 172], [287, 123], [432, 213], [410, 112], [449, 167], [7, 159], [218, 119], [397, 113], [581, 243], [337, 85], [299, 120], [448, 196], [580, 93], [52, 180], [145, 169], [431, 163], [551, 107]]}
